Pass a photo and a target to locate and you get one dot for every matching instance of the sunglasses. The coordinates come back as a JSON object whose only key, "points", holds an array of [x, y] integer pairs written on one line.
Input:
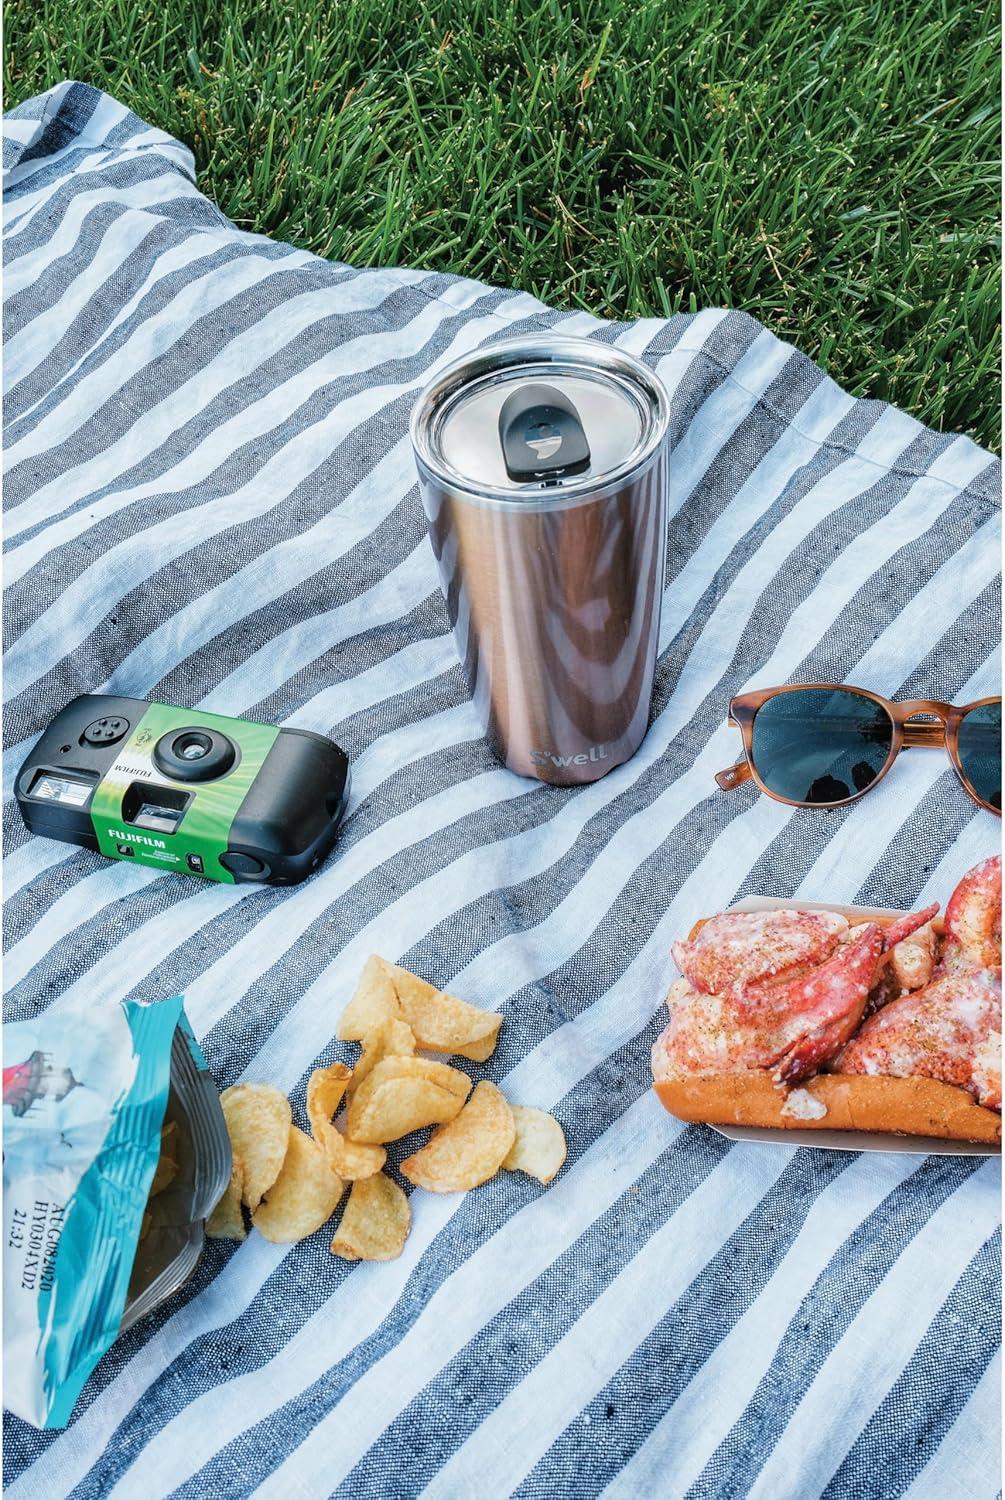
{"points": [[825, 745]]}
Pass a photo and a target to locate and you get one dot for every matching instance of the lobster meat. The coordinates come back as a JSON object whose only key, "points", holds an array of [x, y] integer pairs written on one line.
{"points": [[781, 990]]}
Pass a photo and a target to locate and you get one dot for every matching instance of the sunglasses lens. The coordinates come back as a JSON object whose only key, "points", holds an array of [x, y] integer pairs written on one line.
{"points": [[980, 749], [820, 745]]}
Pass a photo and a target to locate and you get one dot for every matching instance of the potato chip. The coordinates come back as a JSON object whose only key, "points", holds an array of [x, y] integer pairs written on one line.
{"points": [[258, 1122], [325, 1089], [469, 1150], [167, 1167], [375, 1222], [442, 1074], [442, 1023], [226, 1222], [303, 1196], [539, 1148], [391, 1038], [145, 1224], [385, 1108], [375, 1000], [165, 1173], [478, 1051]]}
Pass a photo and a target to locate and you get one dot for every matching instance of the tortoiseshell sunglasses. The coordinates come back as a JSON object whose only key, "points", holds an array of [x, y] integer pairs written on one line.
{"points": [[822, 744]]}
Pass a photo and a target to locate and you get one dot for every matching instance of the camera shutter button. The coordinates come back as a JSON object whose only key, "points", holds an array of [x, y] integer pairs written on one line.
{"points": [[244, 866]]}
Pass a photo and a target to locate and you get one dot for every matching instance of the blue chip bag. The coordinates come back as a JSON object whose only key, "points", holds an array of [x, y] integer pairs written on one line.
{"points": [[95, 1097]]}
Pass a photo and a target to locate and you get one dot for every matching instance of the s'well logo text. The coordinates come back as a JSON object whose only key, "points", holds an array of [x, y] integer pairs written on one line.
{"points": [[545, 758], [136, 838]]}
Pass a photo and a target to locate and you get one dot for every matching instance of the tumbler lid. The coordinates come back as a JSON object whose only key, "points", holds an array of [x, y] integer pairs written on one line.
{"points": [[542, 419]]}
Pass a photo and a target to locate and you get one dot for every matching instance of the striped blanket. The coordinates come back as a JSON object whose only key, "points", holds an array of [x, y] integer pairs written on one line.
{"points": [[211, 501]]}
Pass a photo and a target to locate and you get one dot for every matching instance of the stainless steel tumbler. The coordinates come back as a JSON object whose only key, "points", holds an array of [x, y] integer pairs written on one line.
{"points": [[543, 469]]}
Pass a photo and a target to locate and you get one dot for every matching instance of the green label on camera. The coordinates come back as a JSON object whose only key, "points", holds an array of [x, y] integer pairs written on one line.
{"points": [[139, 813]]}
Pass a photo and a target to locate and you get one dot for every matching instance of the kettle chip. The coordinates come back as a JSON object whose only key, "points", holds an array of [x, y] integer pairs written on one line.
{"points": [[390, 1038], [167, 1166], [351, 1159], [226, 1222], [454, 1080], [374, 1000], [441, 1022], [258, 1120], [386, 1108], [303, 1196], [469, 1150], [478, 1051], [375, 1222], [539, 1148]]}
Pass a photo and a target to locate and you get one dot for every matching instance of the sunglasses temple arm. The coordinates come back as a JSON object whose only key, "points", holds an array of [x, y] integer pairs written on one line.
{"points": [[734, 777]]}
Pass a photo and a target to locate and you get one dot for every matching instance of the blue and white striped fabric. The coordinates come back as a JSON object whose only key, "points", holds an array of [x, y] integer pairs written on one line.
{"points": [[211, 500]]}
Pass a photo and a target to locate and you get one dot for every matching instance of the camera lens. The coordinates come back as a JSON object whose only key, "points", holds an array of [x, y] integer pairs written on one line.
{"points": [[192, 746], [194, 754]]}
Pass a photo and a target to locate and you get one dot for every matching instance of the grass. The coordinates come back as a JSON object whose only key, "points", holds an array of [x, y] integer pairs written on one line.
{"points": [[830, 167]]}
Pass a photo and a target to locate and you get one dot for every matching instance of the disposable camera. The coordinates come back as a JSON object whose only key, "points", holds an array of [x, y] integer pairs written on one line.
{"points": [[186, 791]]}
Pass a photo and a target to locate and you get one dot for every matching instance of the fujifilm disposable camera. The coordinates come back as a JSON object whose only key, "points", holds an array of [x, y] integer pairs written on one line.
{"points": [[186, 791]]}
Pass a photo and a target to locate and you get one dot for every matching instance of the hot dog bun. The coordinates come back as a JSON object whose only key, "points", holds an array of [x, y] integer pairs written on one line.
{"points": [[898, 1106], [901, 1106]]}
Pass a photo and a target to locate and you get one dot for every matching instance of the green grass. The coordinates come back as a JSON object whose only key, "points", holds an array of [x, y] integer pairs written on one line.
{"points": [[830, 167]]}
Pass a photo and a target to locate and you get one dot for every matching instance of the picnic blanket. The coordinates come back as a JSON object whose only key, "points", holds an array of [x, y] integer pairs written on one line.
{"points": [[211, 500]]}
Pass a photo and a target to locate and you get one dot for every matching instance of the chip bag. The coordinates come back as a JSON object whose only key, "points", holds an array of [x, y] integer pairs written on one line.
{"points": [[104, 1105]]}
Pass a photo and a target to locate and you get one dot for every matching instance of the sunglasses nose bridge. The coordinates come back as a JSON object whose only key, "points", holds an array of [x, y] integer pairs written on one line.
{"points": [[930, 731]]}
